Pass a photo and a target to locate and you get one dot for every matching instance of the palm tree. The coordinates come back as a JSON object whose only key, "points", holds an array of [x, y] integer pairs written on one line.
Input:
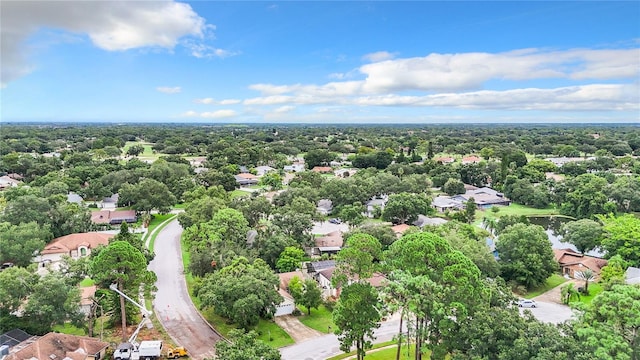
{"points": [[568, 292], [586, 275]]}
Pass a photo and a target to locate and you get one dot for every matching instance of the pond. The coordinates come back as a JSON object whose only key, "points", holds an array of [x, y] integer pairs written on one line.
{"points": [[552, 225]]}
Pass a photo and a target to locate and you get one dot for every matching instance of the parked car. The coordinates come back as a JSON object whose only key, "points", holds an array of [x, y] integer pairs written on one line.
{"points": [[335, 221], [527, 303], [6, 266]]}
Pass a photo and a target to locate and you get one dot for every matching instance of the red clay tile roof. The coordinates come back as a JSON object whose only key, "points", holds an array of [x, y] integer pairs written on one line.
{"points": [[322, 169], [64, 244], [575, 260]]}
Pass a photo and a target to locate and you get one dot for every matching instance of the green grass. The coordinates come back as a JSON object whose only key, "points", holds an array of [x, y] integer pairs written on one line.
{"points": [[319, 319], [69, 329], [272, 334], [553, 281], [159, 221], [238, 193], [594, 290], [388, 352], [180, 206], [87, 282]]}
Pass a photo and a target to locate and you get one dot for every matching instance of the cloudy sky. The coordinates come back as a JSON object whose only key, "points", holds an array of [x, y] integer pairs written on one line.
{"points": [[320, 62]]}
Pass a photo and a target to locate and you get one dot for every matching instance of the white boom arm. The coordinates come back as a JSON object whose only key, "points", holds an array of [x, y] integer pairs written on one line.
{"points": [[114, 287]]}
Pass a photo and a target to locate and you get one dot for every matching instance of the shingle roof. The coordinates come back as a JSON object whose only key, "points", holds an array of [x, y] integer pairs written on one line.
{"points": [[13, 337], [59, 346]]}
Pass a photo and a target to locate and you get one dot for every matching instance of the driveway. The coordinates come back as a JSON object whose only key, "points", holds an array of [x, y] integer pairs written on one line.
{"points": [[327, 346], [297, 330], [550, 312], [172, 304]]}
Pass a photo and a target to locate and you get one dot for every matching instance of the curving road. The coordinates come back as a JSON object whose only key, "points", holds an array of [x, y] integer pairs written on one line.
{"points": [[172, 304]]}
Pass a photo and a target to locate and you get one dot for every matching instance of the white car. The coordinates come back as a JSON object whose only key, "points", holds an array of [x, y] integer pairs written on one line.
{"points": [[527, 303]]}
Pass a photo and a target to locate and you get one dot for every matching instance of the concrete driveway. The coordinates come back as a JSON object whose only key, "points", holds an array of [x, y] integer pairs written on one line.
{"points": [[297, 330]]}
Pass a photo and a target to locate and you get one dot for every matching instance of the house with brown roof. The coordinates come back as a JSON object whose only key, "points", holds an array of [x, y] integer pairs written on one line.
{"points": [[471, 159], [572, 262], [56, 346], [73, 245], [86, 298], [445, 160], [322, 169], [330, 243], [246, 179], [400, 229], [113, 217]]}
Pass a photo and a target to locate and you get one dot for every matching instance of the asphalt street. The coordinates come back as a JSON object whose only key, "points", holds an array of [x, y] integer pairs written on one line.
{"points": [[172, 304]]}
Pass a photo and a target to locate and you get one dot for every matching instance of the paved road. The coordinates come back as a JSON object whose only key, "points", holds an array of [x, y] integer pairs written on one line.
{"points": [[327, 346], [172, 304], [550, 312]]}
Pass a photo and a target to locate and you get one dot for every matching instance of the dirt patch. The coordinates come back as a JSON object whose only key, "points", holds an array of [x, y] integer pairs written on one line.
{"points": [[297, 330]]}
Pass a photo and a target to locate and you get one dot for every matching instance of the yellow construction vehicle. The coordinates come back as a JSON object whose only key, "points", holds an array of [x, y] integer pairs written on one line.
{"points": [[176, 352]]}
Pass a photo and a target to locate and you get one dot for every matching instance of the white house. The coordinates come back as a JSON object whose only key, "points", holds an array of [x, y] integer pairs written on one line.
{"points": [[294, 168], [632, 275]]}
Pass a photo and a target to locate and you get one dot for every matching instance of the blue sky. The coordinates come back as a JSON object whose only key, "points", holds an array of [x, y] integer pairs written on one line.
{"points": [[320, 62]]}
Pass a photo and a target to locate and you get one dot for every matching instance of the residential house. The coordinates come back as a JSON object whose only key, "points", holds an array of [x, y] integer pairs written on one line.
{"points": [[323, 169], [294, 168], [200, 170], [110, 202], [261, 170], [331, 243], [315, 266], [12, 338], [324, 281], [446, 203], [572, 262], [344, 173], [483, 197], [113, 217], [445, 160], [632, 275], [471, 160], [325, 206], [74, 198], [423, 221], [73, 245], [86, 299], [376, 202], [400, 229], [7, 182], [54, 346], [246, 179], [198, 161], [287, 306]]}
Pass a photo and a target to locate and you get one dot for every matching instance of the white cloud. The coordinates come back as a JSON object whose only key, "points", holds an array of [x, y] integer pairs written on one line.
{"points": [[212, 101], [111, 25], [219, 114], [201, 50], [284, 109], [378, 56], [169, 90]]}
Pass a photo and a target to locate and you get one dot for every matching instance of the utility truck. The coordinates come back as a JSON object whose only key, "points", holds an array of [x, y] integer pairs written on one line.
{"points": [[131, 350]]}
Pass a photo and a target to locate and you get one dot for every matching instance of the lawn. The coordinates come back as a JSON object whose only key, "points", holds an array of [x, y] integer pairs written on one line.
{"points": [[594, 290], [87, 282], [69, 329], [320, 319], [553, 281], [159, 220], [268, 331], [238, 193], [387, 351]]}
